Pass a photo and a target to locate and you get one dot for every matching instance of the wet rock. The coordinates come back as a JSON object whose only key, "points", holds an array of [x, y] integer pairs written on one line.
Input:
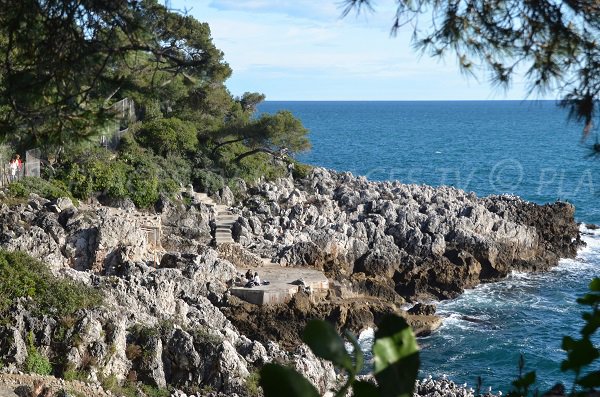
{"points": [[422, 309]]}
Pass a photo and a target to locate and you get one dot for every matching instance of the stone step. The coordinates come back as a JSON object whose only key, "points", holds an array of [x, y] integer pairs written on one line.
{"points": [[224, 219]]}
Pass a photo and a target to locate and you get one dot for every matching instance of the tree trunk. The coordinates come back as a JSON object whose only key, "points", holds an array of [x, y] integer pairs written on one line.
{"points": [[220, 145], [254, 151]]}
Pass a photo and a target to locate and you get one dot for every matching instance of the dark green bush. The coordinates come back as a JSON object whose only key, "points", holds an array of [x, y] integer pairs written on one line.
{"points": [[23, 276], [142, 181], [207, 181], [168, 136], [300, 170], [94, 170]]}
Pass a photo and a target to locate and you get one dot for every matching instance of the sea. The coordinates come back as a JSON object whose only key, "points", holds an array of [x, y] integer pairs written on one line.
{"points": [[526, 148]]}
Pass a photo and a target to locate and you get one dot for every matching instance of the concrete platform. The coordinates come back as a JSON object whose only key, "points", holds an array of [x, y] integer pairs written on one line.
{"points": [[281, 288]]}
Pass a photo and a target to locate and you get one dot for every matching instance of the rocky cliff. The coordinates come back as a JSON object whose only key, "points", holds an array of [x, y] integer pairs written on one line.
{"points": [[388, 239], [168, 318]]}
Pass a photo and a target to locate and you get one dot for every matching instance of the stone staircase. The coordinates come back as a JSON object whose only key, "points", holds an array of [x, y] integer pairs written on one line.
{"points": [[224, 218]]}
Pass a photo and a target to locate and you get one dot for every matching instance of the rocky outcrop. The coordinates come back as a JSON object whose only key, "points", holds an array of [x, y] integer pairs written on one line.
{"points": [[158, 326], [419, 241], [168, 318], [160, 323]]}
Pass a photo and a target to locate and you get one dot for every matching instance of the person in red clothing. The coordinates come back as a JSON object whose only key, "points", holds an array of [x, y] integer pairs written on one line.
{"points": [[19, 163]]}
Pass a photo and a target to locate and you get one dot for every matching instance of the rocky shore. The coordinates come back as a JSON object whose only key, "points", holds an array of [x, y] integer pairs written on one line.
{"points": [[168, 318], [391, 239]]}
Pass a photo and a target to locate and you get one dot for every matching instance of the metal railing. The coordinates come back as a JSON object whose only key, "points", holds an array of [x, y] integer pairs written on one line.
{"points": [[30, 167], [124, 111]]}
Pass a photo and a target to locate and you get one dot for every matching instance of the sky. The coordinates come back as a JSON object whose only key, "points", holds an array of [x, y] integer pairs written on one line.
{"points": [[304, 50]]}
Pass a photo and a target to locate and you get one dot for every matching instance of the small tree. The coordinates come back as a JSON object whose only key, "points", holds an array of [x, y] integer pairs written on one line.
{"points": [[168, 136], [276, 135]]}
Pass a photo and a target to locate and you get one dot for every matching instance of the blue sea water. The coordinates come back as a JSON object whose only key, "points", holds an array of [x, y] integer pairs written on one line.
{"points": [[489, 147]]}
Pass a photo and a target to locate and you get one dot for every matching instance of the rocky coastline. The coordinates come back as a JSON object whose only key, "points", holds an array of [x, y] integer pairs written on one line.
{"points": [[168, 318]]}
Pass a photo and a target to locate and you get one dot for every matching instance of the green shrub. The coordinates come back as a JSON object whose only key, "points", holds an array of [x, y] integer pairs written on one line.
{"points": [[168, 136], [112, 383], [300, 170], [252, 384], [23, 276], [207, 181], [36, 362], [51, 189], [95, 170], [73, 374], [17, 189], [251, 168], [152, 391]]}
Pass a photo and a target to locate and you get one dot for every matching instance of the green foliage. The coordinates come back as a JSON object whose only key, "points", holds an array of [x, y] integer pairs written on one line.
{"points": [[250, 100], [324, 341], [73, 374], [522, 385], [582, 353], [136, 174], [168, 136], [51, 189], [277, 380], [90, 170], [207, 181], [301, 171], [23, 276], [17, 189], [396, 362], [249, 168], [65, 61], [126, 389], [152, 391], [396, 358], [253, 384], [283, 130], [36, 362]]}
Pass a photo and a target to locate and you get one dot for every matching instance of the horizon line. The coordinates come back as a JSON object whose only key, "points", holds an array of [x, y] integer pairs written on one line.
{"points": [[412, 100]]}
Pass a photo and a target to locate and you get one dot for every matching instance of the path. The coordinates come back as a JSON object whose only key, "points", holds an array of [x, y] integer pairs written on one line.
{"points": [[283, 280], [224, 219]]}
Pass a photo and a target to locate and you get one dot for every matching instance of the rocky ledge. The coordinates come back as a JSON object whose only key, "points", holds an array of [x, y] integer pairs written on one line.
{"points": [[168, 318], [396, 241]]}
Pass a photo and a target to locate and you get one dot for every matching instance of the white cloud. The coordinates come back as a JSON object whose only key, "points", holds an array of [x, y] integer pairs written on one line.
{"points": [[300, 49]]}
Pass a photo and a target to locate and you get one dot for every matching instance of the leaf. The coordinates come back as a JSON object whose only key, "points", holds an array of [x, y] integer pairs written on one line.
{"points": [[592, 325], [525, 381], [364, 389], [396, 358], [589, 299], [579, 354], [595, 285], [591, 380], [280, 381], [325, 342]]}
